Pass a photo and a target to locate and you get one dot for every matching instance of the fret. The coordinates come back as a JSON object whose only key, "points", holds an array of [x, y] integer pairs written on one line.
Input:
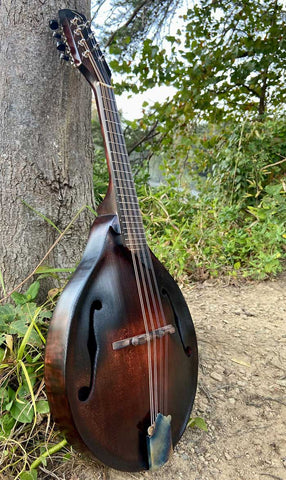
{"points": [[128, 185], [114, 140], [119, 149], [112, 101], [114, 127], [112, 117], [130, 209], [139, 235], [125, 192], [109, 98], [117, 170], [118, 143], [121, 153], [138, 246], [129, 222], [125, 170], [131, 193], [132, 197], [136, 232], [123, 162], [126, 229], [125, 208]]}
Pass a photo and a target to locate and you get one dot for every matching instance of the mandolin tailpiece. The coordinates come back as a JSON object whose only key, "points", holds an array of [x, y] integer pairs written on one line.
{"points": [[159, 442]]}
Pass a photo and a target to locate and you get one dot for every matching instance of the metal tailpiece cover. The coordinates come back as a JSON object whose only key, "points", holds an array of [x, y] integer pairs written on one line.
{"points": [[159, 442]]}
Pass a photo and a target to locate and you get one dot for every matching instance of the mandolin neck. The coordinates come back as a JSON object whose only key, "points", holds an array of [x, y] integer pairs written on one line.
{"points": [[121, 186]]}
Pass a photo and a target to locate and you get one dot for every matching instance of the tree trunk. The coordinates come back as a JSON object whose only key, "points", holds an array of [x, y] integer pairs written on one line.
{"points": [[45, 142]]}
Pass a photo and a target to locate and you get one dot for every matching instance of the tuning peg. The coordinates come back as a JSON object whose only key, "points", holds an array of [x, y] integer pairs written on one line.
{"points": [[65, 57], [57, 35], [54, 24], [61, 46]]}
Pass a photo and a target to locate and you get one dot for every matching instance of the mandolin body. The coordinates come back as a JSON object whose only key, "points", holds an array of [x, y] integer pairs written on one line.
{"points": [[100, 395]]}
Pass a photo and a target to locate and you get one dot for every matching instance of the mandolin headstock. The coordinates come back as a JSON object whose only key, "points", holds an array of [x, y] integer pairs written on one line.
{"points": [[76, 43]]}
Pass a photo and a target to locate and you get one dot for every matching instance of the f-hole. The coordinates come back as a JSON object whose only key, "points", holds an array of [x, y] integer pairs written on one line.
{"points": [[84, 392], [187, 348]]}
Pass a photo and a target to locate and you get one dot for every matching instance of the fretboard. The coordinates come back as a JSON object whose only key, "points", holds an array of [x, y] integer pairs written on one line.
{"points": [[128, 210]]}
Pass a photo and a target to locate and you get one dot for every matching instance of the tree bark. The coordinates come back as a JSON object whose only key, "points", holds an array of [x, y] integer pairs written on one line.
{"points": [[45, 142]]}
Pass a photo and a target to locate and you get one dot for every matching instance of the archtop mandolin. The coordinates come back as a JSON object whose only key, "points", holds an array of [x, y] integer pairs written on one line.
{"points": [[121, 356]]}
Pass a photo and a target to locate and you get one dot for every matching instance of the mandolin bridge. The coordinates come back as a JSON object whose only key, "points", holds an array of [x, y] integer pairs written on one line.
{"points": [[144, 337]]}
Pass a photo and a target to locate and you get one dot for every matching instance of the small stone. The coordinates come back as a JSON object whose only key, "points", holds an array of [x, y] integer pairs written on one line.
{"points": [[282, 383], [216, 376], [227, 456], [219, 367], [240, 383], [231, 400]]}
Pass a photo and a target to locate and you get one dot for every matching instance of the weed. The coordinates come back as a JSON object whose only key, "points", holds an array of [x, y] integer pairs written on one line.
{"points": [[26, 436]]}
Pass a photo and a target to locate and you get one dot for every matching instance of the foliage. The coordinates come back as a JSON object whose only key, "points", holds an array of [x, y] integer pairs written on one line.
{"points": [[24, 410], [226, 63], [237, 224], [233, 58], [127, 23], [198, 422], [227, 59], [244, 159]]}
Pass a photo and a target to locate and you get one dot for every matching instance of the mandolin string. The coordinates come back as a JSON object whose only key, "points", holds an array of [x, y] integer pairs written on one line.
{"points": [[149, 262], [119, 184], [123, 177], [153, 283]]}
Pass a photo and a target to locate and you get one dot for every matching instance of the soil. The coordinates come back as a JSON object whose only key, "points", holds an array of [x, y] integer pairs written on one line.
{"points": [[241, 334]]}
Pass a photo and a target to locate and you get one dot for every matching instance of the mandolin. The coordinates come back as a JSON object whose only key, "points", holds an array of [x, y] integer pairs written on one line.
{"points": [[121, 356]]}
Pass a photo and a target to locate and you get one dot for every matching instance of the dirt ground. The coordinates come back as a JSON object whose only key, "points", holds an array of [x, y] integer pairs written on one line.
{"points": [[241, 334]]}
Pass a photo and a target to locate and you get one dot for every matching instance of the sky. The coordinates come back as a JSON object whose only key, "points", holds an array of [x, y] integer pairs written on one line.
{"points": [[131, 108]]}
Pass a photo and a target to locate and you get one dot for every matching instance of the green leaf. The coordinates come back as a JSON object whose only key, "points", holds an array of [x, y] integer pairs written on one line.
{"points": [[18, 327], [42, 406], [22, 412], [32, 291], [4, 395], [199, 423], [31, 475], [7, 313], [8, 405], [19, 298], [2, 354], [6, 423]]}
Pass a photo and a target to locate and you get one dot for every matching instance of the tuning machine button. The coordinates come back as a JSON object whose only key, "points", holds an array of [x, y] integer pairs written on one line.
{"points": [[57, 35], [61, 46], [54, 24], [64, 56]]}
